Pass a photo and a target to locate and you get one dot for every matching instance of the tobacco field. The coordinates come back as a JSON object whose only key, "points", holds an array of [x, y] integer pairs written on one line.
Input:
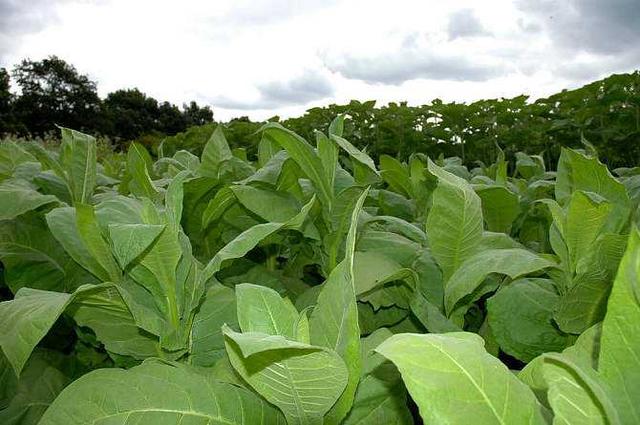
{"points": [[315, 285]]}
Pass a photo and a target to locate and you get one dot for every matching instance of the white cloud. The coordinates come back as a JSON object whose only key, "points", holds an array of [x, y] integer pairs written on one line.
{"points": [[265, 57]]}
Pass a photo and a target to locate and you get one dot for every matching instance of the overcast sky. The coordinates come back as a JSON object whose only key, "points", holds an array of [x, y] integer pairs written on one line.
{"points": [[265, 57]]}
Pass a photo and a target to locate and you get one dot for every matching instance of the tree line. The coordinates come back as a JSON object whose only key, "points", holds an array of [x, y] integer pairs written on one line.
{"points": [[51, 91], [604, 114]]}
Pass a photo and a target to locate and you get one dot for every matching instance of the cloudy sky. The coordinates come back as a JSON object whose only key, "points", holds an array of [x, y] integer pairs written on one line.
{"points": [[265, 57]]}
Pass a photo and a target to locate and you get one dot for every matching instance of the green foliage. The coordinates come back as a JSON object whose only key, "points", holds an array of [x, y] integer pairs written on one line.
{"points": [[311, 285]]}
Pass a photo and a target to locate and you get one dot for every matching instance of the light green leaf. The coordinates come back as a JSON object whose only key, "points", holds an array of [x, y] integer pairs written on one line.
{"points": [[302, 380], [585, 302], [521, 319], [619, 364], [138, 167], [81, 166], [129, 241], [277, 207], [108, 316], [586, 216], [31, 314], [91, 235], [306, 158], [500, 207], [579, 172], [380, 400], [328, 154], [454, 224], [207, 342], [155, 393], [32, 257], [396, 175], [216, 152], [334, 320], [371, 269], [453, 379], [43, 378], [511, 262], [571, 394], [217, 206], [17, 199], [248, 239], [173, 200], [62, 223], [261, 309], [354, 152]]}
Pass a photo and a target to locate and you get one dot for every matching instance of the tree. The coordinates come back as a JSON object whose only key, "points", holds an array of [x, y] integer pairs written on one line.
{"points": [[130, 113], [170, 119], [196, 115], [53, 92], [7, 121]]}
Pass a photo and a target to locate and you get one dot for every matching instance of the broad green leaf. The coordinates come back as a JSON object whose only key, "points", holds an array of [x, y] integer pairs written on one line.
{"points": [[207, 341], [340, 219], [586, 216], [381, 397], [173, 201], [157, 393], [217, 206], [500, 207], [336, 127], [129, 241], [380, 400], [619, 364], [529, 165], [138, 165], [430, 315], [106, 314], [81, 165], [267, 149], [43, 378], [454, 224], [306, 158], [585, 303], [579, 172], [261, 309], [511, 262], [31, 314], [96, 244], [521, 319], [216, 152], [50, 161], [453, 379], [162, 261], [302, 380], [334, 320], [583, 352], [370, 269], [32, 257], [402, 227], [328, 154], [571, 394], [62, 223], [354, 152], [396, 175], [17, 199], [11, 156], [277, 207], [248, 239]]}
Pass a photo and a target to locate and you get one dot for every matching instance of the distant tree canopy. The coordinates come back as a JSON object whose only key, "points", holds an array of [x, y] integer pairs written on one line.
{"points": [[51, 92], [604, 113]]}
